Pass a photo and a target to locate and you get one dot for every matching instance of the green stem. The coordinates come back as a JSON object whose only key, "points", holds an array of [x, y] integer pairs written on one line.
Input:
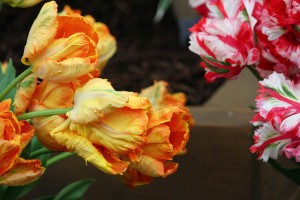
{"points": [[254, 72], [58, 158], [14, 83], [39, 152], [39, 113]]}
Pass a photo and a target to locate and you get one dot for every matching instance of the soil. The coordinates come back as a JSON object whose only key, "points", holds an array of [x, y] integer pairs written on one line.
{"points": [[146, 51]]}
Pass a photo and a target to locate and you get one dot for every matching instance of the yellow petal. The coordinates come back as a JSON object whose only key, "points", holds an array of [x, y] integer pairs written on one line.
{"points": [[107, 44], [51, 95], [22, 173], [62, 71], [24, 94], [42, 31], [96, 98], [121, 131], [43, 126], [85, 149]]}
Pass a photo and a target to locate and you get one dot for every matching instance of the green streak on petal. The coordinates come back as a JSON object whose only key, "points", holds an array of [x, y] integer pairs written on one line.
{"points": [[288, 93]]}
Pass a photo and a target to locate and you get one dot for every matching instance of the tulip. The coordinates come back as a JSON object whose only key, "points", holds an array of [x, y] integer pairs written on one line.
{"points": [[225, 45], [14, 136], [167, 136], [60, 48], [103, 126], [107, 44], [159, 96]]}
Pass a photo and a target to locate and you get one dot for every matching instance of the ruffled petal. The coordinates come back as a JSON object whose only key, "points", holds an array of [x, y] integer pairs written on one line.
{"points": [[23, 172], [84, 148], [9, 152], [43, 30]]}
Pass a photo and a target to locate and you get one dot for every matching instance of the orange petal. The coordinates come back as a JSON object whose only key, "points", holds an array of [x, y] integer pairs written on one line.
{"points": [[42, 31], [9, 152], [133, 178], [22, 173], [70, 24], [27, 132], [153, 167], [158, 144]]}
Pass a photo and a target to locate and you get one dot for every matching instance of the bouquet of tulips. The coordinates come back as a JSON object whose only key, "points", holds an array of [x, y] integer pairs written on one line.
{"points": [[59, 104], [263, 36]]}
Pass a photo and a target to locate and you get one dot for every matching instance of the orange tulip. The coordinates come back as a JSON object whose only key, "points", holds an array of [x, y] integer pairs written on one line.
{"points": [[159, 96], [14, 136], [167, 135], [107, 44], [61, 48], [104, 125]]}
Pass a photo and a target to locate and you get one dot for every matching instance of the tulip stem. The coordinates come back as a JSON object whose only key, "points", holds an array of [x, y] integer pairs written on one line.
{"points": [[39, 113], [14, 83], [58, 158], [254, 72], [40, 152]]}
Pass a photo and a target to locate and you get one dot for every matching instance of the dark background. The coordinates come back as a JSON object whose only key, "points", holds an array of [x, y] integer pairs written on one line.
{"points": [[146, 51]]}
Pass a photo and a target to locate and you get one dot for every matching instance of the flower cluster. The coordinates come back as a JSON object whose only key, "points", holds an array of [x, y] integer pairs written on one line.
{"points": [[263, 36], [71, 109]]}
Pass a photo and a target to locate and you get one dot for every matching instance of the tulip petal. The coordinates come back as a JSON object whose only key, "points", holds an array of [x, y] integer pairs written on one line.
{"points": [[22, 173], [158, 145], [43, 126], [155, 168], [85, 149], [65, 71], [43, 30], [24, 94], [70, 24], [121, 131], [9, 152], [96, 98]]}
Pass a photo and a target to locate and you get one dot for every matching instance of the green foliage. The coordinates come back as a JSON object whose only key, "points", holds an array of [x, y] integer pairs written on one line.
{"points": [[74, 190], [163, 6], [6, 78]]}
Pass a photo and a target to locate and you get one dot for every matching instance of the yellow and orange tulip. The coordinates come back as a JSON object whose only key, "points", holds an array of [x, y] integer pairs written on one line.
{"points": [[14, 136], [61, 48], [167, 135], [107, 44]]}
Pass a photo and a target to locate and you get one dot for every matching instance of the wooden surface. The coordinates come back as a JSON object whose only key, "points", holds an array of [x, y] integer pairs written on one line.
{"points": [[218, 165]]}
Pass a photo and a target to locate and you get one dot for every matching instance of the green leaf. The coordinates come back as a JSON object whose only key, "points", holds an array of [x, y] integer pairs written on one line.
{"points": [[74, 190], [6, 78], [163, 6], [292, 174], [50, 197]]}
